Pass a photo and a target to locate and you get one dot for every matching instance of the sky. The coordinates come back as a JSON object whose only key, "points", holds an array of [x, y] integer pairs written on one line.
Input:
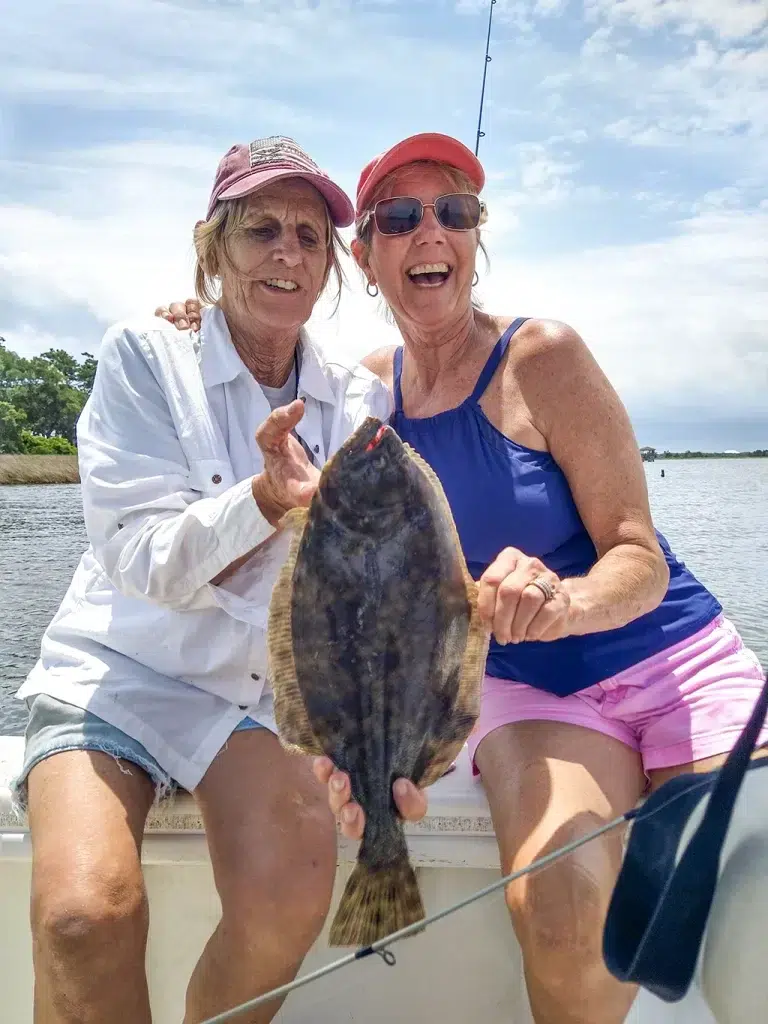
{"points": [[626, 151]]}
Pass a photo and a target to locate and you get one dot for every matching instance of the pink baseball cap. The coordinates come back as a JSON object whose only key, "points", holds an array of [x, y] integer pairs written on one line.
{"points": [[247, 168], [427, 146]]}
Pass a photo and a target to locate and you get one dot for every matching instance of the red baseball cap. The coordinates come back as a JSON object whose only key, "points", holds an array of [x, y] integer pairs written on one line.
{"points": [[246, 169], [427, 146]]}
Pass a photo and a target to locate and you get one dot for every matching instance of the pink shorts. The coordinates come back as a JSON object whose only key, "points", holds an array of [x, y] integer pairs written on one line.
{"points": [[687, 703]]}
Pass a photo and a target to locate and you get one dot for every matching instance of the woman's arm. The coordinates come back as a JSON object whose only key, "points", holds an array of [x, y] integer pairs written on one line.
{"points": [[589, 435], [153, 533]]}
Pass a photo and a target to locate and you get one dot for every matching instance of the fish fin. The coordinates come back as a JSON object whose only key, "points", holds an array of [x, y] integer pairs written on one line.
{"points": [[377, 902], [293, 726], [467, 705], [294, 519]]}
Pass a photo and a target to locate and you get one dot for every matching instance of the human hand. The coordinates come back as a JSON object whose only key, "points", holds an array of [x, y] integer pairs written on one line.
{"points": [[516, 609], [183, 315], [411, 802], [288, 479]]}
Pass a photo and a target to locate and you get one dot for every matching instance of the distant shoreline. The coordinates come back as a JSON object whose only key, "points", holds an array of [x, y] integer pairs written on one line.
{"points": [[39, 469], [710, 455], [63, 469]]}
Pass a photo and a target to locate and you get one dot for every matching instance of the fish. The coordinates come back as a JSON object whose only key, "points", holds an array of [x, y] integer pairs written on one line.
{"points": [[376, 653]]}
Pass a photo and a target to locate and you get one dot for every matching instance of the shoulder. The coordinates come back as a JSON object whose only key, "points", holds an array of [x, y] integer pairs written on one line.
{"points": [[353, 383], [380, 362], [147, 346], [142, 336], [548, 338], [553, 353]]}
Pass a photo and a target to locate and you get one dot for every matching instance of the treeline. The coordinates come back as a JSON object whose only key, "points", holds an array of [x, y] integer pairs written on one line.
{"points": [[41, 399]]}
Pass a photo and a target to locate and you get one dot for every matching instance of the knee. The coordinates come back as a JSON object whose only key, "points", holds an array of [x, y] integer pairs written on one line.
{"points": [[91, 920], [280, 903], [559, 916]]}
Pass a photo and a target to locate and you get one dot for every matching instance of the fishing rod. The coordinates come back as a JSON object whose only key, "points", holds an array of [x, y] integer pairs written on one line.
{"points": [[488, 59], [381, 946]]}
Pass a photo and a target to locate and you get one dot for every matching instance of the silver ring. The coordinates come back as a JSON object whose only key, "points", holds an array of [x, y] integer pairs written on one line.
{"points": [[543, 584]]}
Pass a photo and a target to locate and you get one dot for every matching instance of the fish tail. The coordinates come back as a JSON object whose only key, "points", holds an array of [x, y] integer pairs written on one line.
{"points": [[377, 901]]}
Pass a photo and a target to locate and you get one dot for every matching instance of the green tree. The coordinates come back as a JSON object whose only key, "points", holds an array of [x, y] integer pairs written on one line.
{"points": [[11, 421], [46, 392]]}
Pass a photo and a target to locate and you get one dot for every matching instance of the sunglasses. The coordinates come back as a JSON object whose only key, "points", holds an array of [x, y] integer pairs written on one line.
{"points": [[459, 211]]}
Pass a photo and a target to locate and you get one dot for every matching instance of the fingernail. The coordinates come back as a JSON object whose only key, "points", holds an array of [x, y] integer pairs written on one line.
{"points": [[337, 785], [401, 788], [348, 815]]}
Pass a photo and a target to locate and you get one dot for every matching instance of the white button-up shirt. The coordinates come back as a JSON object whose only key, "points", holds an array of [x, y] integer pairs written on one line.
{"points": [[167, 451]]}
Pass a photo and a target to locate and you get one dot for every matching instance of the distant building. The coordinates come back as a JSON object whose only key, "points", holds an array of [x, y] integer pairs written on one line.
{"points": [[648, 454]]}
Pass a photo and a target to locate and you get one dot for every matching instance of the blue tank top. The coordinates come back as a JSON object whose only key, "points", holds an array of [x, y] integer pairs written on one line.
{"points": [[503, 494]]}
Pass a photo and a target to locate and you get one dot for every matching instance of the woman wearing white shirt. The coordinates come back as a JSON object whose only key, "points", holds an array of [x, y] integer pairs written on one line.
{"points": [[152, 672]]}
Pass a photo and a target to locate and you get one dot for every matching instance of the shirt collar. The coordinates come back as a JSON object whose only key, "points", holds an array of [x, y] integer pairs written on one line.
{"points": [[220, 362]]}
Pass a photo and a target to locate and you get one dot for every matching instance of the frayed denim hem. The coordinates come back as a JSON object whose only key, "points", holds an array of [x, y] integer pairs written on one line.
{"points": [[165, 786]]}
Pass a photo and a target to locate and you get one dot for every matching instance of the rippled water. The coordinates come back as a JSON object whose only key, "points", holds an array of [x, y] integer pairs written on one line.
{"points": [[713, 512]]}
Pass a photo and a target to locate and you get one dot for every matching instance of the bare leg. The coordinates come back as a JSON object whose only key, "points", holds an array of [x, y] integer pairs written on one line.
{"points": [[89, 909], [273, 848], [659, 776], [549, 783]]}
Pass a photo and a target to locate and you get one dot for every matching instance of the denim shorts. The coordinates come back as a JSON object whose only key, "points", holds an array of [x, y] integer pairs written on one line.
{"points": [[55, 726]]}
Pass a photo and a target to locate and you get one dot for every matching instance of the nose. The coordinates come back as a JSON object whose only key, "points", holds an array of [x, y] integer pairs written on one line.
{"points": [[430, 230], [288, 249]]}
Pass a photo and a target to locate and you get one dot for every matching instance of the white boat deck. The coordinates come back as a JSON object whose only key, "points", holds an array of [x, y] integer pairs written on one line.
{"points": [[464, 968]]}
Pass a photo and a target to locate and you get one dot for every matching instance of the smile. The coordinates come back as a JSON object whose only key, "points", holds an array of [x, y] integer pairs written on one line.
{"points": [[429, 275], [279, 284]]}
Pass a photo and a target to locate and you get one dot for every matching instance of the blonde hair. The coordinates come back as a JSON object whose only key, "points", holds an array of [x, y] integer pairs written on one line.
{"points": [[458, 181], [212, 238]]}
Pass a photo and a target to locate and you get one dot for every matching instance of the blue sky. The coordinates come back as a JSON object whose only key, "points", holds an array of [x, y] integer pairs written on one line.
{"points": [[626, 153]]}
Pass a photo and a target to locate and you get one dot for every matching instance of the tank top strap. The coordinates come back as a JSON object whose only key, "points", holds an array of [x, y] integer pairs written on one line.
{"points": [[397, 372], [494, 359]]}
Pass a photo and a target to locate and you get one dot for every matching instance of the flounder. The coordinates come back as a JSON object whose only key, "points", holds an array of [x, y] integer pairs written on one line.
{"points": [[376, 653]]}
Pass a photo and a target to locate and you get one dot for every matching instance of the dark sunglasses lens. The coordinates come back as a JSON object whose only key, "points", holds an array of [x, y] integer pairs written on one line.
{"points": [[458, 212], [397, 216]]}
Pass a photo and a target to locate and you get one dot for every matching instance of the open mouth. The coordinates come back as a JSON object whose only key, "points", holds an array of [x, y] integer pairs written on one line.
{"points": [[279, 284], [429, 274]]}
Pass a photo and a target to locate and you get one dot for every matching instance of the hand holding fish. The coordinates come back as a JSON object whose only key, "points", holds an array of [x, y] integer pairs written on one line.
{"points": [[523, 600], [288, 479], [410, 801]]}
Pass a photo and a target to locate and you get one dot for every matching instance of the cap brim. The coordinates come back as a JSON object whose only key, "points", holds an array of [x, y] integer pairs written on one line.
{"points": [[426, 146], [339, 204]]}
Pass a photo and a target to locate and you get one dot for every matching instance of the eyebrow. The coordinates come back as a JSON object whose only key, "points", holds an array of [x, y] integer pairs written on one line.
{"points": [[263, 216]]}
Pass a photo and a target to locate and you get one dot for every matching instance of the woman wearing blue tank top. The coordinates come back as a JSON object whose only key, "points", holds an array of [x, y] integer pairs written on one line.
{"points": [[611, 667]]}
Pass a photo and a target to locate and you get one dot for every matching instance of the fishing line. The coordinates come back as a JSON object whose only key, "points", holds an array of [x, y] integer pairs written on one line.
{"points": [[380, 947]]}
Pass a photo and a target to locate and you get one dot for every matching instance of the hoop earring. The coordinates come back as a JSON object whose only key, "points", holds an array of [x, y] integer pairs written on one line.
{"points": [[475, 278], [375, 288]]}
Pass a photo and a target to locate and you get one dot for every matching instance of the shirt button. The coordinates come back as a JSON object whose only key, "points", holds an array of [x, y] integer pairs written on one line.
{"points": [[256, 676], [316, 449], [243, 707], [216, 478]]}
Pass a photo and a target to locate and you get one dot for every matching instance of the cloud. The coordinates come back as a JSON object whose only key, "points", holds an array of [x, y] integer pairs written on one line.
{"points": [[727, 19], [676, 323], [626, 155]]}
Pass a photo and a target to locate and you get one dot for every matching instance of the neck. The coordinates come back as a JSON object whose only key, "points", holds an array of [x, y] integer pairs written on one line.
{"points": [[268, 354], [432, 352]]}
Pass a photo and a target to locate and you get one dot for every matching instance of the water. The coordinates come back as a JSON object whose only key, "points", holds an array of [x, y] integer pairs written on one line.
{"points": [[714, 513]]}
